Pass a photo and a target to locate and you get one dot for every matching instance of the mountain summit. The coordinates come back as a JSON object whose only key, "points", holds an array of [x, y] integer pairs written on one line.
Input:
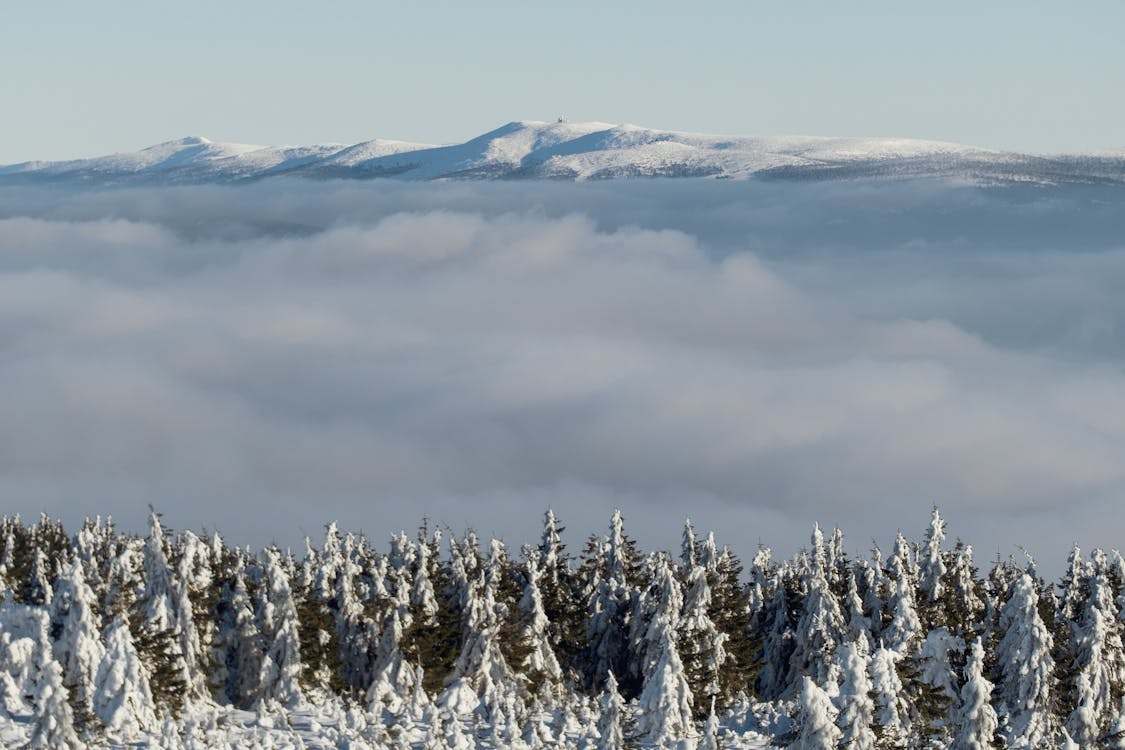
{"points": [[577, 151]]}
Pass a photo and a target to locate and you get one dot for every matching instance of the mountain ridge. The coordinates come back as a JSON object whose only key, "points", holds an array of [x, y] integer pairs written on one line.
{"points": [[577, 151]]}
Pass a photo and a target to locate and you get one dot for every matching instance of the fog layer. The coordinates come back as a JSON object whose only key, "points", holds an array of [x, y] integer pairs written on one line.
{"points": [[760, 356]]}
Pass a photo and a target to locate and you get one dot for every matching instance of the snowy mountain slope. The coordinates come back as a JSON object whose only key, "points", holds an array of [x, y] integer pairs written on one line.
{"points": [[579, 151]]}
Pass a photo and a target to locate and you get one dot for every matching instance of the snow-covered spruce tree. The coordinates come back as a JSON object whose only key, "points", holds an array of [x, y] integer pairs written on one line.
{"points": [[154, 621], [875, 588], [610, 608], [539, 665], [281, 665], [891, 712], [122, 696], [816, 719], [481, 666], [931, 563], [964, 602], [238, 642], [194, 599], [976, 719], [53, 727], [320, 645], [904, 632], [1099, 655], [355, 627], [856, 706], [77, 641], [665, 704], [777, 637], [1025, 669], [611, 733], [702, 646], [689, 557], [395, 680], [730, 612], [39, 576], [563, 603], [820, 627], [433, 643]]}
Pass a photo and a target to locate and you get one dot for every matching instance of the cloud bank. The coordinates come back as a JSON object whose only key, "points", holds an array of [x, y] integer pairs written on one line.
{"points": [[266, 358]]}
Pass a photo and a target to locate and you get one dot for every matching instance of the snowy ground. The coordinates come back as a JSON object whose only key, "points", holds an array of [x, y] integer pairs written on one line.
{"points": [[337, 727]]}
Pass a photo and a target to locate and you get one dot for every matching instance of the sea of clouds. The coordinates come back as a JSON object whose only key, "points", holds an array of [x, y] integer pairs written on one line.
{"points": [[265, 358]]}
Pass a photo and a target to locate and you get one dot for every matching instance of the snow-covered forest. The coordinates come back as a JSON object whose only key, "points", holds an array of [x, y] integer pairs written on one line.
{"points": [[451, 642]]}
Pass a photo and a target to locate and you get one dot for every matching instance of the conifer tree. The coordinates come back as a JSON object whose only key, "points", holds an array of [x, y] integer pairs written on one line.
{"points": [[932, 568], [777, 640], [123, 699], [77, 640], [819, 629], [1025, 668], [891, 715], [433, 644], [53, 727], [610, 607], [481, 665], [857, 709], [1099, 662], [193, 583], [816, 719], [701, 644], [611, 734], [976, 719], [539, 666], [281, 664], [395, 679], [154, 623], [665, 703], [689, 557], [730, 612]]}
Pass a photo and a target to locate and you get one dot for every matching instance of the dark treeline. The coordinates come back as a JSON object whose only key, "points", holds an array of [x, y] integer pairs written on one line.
{"points": [[915, 648]]}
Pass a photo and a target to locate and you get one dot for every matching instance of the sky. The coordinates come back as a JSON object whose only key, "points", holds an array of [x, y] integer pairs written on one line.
{"points": [[84, 79], [760, 356]]}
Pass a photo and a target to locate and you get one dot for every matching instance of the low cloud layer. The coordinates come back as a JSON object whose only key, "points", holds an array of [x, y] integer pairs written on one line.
{"points": [[759, 356]]}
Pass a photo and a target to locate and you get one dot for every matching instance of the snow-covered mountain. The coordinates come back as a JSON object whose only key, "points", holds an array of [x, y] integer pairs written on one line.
{"points": [[579, 151]]}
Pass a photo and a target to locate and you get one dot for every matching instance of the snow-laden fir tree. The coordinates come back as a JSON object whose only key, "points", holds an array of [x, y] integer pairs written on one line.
{"points": [[395, 679], [1025, 669], [1099, 655], [481, 666], [665, 704], [53, 727], [610, 607], [689, 557], [77, 639], [931, 564], [281, 664], [702, 646], [539, 666], [976, 719], [123, 699], [816, 719], [856, 706], [730, 611], [155, 621], [193, 582], [777, 641], [238, 641], [820, 627], [964, 606], [710, 738], [891, 715], [904, 632], [611, 732]]}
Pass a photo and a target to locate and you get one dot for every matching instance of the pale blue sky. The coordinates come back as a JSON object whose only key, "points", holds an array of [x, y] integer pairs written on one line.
{"points": [[81, 78]]}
